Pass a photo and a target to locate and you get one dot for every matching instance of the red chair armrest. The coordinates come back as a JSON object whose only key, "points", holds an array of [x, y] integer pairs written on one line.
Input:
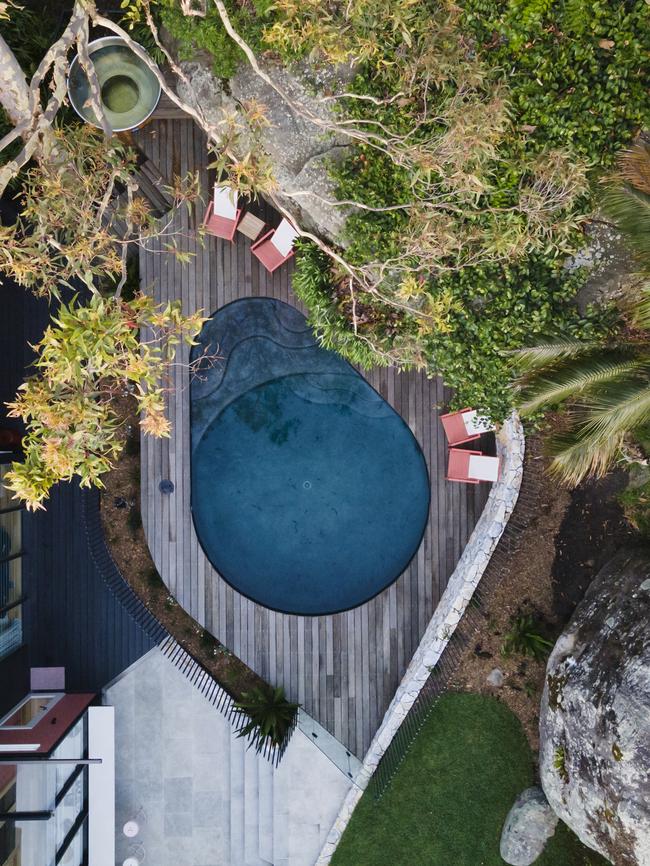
{"points": [[262, 239]]}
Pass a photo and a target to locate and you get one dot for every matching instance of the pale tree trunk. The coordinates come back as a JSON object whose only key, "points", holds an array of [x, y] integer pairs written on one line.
{"points": [[15, 96], [32, 121]]}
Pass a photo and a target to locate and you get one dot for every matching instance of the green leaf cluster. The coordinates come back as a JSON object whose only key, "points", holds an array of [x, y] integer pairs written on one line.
{"points": [[194, 34], [89, 355], [524, 637], [578, 70], [267, 716], [313, 285]]}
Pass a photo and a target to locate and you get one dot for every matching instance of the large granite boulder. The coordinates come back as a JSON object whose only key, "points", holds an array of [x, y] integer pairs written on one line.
{"points": [[595, 715], [300, 150], [530, 824]]}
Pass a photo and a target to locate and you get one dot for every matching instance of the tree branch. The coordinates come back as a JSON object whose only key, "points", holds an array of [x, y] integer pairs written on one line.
{"points": [[95, 98]]}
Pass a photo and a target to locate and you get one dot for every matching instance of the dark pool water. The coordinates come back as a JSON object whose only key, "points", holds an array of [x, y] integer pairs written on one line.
{"points": [[309, 493]]}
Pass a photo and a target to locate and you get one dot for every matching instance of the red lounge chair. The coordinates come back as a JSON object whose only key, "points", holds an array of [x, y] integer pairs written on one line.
{"points": [[472, 467], [222, 215], [464, 426], [275, 247]]}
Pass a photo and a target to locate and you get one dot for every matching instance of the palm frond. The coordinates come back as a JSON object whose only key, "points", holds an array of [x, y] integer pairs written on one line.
{"points": [[634, 166], [578, 455], [547, 354], [576, 378], [629, 209], [638, 307], [621, 411]]}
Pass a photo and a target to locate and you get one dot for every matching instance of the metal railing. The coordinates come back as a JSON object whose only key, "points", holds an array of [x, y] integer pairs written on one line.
{"points": [[473, 620], [189, 666]]}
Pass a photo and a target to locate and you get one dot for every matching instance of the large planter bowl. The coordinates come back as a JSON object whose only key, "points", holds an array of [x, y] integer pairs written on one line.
{"points": [[129, 90]]}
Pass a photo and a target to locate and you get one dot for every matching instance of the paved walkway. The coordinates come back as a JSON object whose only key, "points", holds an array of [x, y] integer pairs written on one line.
{"points": [[199, 797]]}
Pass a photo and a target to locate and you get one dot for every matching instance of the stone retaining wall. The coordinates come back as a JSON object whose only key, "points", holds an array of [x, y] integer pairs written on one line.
{"points": [[461, 586]]}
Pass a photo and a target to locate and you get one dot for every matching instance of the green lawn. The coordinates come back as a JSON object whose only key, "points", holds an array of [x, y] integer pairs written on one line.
{"points": [[450, 797]]}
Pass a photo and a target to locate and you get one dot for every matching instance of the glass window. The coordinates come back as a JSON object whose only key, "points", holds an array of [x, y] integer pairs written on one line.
{"points": [[74, 853], [40, 786], [30, 789], [11, 587]]}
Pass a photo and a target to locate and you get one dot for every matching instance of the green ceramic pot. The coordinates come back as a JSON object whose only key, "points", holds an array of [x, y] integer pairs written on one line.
{"points": [[129, 90]]}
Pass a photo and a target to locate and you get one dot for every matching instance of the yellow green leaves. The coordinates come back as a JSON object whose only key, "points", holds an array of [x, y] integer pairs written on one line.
{"points": [[74, 209], [89, 355]]}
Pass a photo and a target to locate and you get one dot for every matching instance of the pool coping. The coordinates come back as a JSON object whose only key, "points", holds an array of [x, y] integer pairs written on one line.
{"points": [[447, 615]]}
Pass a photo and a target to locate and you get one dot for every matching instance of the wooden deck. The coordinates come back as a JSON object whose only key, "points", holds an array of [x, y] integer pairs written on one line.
{"points": [[343, 669]]}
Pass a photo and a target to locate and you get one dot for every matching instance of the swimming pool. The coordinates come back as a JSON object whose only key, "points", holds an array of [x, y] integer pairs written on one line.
{"points": [[309, 492]]}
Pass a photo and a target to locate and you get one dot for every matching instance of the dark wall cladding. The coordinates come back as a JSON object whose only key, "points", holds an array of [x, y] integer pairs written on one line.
{"points": [[14, 679]]}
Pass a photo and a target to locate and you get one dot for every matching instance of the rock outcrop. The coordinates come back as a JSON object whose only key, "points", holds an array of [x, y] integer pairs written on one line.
{"points": [[530, 824], [595, 715], [300, 150]]}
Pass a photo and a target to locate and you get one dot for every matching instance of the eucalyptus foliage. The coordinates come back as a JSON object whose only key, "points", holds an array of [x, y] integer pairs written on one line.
{"points": [[477, 130], [90, 354]]}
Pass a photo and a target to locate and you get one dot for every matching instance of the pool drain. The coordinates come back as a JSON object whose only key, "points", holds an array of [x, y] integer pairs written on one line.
{"points": [[306, 485]]}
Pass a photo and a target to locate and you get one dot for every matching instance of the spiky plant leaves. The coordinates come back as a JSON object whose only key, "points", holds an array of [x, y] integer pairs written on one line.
{"points": [[270, 716], [634, 166], [627, 200], [609, 384], [579, 376], [576, 455], [638, 311], [541, 356], [621, 407]]}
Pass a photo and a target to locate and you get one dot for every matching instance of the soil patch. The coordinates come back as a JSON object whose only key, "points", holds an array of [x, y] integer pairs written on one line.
{"points": [[592, 530], [122, 523], [560, 549]]}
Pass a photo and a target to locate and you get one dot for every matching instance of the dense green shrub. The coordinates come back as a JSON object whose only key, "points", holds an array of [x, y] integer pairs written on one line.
{"points": [[578, 70], [500, 309], [313, 285], [208, 34], [496, 310]]}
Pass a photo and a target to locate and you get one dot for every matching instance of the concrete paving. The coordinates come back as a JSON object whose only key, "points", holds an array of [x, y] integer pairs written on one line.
{"points": [[198, 797]]}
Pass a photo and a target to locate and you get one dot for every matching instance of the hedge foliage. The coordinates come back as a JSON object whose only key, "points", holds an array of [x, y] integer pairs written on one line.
{"points": [[579, 70]]}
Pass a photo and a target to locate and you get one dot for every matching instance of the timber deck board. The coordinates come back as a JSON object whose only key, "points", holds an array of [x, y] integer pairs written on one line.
{"points": [[344, 668]]}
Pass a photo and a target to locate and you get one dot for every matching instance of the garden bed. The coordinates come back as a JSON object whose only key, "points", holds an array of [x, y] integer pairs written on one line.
{"points": [[450, 797], [126, 540]]}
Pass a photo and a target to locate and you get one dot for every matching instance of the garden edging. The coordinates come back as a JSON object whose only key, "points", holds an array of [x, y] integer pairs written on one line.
{"points": [[460, 589]]}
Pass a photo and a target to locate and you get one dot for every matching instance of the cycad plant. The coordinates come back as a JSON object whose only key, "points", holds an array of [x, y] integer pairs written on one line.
{"points": [[268, 716], [607, 383]]}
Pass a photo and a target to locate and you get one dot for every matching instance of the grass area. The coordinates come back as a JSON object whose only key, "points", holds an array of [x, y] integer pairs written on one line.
{"points": [[448, 802]]}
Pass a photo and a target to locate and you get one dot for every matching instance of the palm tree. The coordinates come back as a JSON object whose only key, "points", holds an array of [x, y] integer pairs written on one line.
{"points": [[606, 383]]}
